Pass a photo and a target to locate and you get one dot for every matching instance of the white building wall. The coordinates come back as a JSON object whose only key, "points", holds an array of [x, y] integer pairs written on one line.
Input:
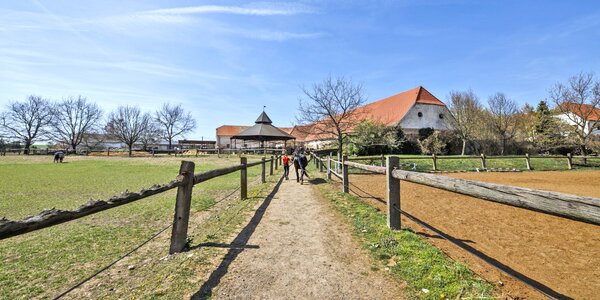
{"points": [[589, 125], [430, 117]]}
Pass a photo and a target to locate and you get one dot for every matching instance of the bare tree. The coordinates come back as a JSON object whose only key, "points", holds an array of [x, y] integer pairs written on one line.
{"points": [[127, 124], [174, 121], [579, 102], [27, 120], [466, 110], [73, 118], [151, 135], [332, 106], [503, 118]]}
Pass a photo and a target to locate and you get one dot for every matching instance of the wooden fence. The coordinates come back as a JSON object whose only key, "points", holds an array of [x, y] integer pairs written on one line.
{"points": [[483, 159], [586, 209], [184, 183]]}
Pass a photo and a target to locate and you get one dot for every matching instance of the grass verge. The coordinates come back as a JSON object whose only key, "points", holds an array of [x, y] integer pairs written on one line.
{"points": [[45, 262], [428, 272]]}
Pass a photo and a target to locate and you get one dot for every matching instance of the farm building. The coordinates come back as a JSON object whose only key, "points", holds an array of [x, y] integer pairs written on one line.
{"points": [[583, 116], [413, 110]]}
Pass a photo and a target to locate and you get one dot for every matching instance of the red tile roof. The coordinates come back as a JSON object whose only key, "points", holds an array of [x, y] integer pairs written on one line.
{"points": [[586, 111], [391, 110], [229, 130]]}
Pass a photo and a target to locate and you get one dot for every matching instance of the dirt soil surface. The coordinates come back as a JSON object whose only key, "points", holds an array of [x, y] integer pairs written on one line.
{"points": [[297, 247], [560, 255]]}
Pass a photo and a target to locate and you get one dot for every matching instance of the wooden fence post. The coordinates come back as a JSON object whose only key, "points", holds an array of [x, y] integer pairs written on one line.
{"points": [[107, 151], [262, 170], [320, 165], [393, 193], [382, 160], [433, 157], [569, 161], [329, 167], [483, 164], [182, 208], [271, 166], [345, 174], [243, 179], [276, 161], [528, 161]]}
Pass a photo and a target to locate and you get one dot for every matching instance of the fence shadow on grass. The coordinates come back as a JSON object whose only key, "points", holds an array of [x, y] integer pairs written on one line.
{"points": [[236, 247]]}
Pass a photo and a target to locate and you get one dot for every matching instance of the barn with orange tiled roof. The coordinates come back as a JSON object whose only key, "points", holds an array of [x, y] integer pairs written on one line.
{"points": [[413, 109]]}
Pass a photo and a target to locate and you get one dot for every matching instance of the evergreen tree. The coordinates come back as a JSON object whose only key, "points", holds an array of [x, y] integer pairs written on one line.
{"points": [[547, 129]]}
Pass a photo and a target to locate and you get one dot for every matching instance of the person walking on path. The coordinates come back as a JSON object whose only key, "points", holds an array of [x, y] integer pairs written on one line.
{"points": [[300, 163], [285, 161]]}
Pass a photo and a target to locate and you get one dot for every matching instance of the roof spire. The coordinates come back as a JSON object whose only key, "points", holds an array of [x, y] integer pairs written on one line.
{"points": [[263, 118]]}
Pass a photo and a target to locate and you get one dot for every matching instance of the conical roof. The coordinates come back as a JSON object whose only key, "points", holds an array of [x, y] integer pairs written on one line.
{"points": [[263, 131], [263, 119]]}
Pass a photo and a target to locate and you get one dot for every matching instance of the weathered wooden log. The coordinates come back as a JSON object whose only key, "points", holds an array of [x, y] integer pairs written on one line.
{"points": [[200, 177], [336, 175], [51, 217], [243, 179], [183, 203], [393, 194], [374, 169], [586, 209], [345, 182]]}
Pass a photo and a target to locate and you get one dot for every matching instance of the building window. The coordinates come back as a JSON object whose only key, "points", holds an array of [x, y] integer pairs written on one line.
{"points": [[420, 114], [441, 116]]}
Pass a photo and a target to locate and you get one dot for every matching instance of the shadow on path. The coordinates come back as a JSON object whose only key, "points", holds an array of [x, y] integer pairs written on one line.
{"points": [[240, 243]]}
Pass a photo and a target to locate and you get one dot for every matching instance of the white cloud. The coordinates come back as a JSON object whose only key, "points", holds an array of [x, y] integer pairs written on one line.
{"points": [[266, 9]]}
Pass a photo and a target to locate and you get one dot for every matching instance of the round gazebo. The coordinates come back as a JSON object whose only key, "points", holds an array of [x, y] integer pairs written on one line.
{"points": [[263, 131]]}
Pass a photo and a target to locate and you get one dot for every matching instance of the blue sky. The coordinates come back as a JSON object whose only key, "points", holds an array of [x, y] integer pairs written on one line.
{"points": [[224, 60]]}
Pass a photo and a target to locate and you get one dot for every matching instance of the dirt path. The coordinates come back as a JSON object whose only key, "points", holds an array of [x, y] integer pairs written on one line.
{"points": [[297, 249]]}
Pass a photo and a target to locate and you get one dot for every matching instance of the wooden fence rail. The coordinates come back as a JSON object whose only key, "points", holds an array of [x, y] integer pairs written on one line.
{"points": [[585, 209], [184, 182]]}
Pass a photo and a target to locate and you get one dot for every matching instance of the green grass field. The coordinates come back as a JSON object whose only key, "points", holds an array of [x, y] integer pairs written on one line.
{"points": [[46, 262]]}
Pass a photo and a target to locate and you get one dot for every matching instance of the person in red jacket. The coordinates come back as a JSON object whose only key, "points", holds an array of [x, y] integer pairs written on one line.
{"points": [[285, 161]]}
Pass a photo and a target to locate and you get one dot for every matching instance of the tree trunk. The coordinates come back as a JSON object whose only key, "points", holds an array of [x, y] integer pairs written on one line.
{"points": [[74, 148], [170, 146], [130, 149], [27, 146], [503, 146], [340, 145], [464, 145]]}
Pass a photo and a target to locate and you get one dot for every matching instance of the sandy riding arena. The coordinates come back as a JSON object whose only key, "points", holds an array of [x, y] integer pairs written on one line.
{"points": [[559, 255]]}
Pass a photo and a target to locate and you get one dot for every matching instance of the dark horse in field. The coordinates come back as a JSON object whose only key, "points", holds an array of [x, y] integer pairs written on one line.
{"points": [[59, 156]]}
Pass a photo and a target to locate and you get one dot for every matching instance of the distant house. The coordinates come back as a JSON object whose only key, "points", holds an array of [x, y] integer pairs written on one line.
{"points": [[412, 110], [583, 116], [196, 144]]}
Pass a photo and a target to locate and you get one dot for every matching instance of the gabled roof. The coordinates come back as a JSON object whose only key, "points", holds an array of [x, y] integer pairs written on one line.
{"points": [[229, 130], [586, 111], [392, 110]]}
